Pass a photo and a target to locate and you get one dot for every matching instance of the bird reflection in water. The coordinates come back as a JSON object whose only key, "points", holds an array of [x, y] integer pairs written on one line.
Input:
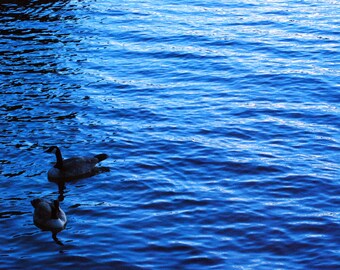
{"points": [[62, 183]]}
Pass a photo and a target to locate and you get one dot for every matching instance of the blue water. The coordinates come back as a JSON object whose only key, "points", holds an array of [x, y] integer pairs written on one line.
{"points": [[221, 120]]}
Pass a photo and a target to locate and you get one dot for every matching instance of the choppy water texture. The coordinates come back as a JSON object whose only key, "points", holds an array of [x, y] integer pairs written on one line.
{"points": [[221, 119]]}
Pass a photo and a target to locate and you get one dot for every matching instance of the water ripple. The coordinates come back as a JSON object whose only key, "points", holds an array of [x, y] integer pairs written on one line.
{"points": [[220, 119]]}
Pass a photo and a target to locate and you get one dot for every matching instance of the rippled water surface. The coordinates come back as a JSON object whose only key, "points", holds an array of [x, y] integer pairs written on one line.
{"points": [[221, 120]]}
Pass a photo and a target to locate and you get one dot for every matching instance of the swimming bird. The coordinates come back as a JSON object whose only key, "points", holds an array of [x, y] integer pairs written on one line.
{"points": [[74, 167], [48, 215]]}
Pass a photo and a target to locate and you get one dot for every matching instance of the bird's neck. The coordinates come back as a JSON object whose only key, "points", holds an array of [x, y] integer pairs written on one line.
{"points": [[54, 213], [59, 163], [55, 210]]}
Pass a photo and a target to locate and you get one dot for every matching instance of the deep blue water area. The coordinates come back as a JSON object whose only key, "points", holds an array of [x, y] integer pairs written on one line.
{"points": [[220, 118]]}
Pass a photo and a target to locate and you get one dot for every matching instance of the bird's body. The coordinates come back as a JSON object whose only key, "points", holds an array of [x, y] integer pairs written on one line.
{"points": [[74, 167], [48, 215]]}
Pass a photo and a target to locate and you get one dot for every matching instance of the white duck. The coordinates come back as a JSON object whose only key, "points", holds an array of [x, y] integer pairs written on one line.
{"points": [[74, 167], [48, 215]]}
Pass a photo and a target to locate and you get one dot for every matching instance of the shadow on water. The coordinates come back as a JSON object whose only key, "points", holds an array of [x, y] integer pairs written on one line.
{"points": [[34, 68], [36, 71], [33, 34], [23, 8], [21, 19]]}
